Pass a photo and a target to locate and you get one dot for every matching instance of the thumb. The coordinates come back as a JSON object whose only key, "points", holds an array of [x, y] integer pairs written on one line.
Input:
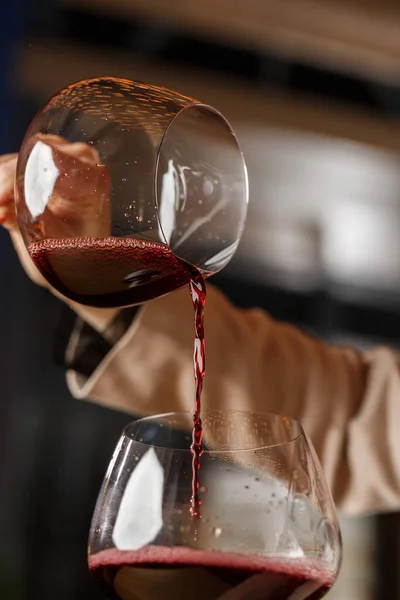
{"points": [[8, 218]]}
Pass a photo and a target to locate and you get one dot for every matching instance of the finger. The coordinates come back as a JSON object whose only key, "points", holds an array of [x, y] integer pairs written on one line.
{"points": [[50, 139], [80, 173], [8, 217], [82, 151], [8, 165]]}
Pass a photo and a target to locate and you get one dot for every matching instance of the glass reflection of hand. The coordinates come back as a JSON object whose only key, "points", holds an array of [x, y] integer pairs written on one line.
{"points": [[67, 188], [77, 206]]}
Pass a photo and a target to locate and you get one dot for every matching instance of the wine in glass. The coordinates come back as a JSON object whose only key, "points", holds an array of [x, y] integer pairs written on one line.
{"points": [[267, 528]]}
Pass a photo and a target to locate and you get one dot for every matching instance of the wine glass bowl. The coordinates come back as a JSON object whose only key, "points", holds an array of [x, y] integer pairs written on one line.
{"points": [[266, 529], [129, 183]]}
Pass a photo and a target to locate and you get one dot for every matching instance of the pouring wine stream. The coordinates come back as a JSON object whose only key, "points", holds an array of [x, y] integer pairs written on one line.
{"points": [[198, 294]]}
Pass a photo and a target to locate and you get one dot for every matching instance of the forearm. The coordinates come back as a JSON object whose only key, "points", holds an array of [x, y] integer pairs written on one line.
{"points": [[98, 318], [347, 401]]}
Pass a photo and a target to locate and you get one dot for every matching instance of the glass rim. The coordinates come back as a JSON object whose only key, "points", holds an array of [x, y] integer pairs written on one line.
{"points": [[192, 103], [149, 418]]}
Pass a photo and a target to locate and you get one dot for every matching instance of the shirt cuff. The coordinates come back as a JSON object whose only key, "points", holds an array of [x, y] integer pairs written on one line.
{"points": [[80, 348]]}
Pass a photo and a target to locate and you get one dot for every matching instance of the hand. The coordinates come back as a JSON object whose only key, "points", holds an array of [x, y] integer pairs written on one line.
{"points": [[8, 217], [78, 206]]}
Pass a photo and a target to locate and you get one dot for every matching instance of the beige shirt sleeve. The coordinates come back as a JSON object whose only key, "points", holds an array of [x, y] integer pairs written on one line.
{"points": [[348, 402]]}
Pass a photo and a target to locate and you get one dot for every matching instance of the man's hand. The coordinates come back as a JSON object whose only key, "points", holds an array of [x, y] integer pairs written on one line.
{"points": [[8, 217], [78, 207]]}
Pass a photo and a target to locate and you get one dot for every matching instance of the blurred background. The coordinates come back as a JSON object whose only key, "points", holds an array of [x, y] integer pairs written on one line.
{"points": [[313, 90]]}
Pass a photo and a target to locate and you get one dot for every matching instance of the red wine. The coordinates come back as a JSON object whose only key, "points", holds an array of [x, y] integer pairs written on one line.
{"points": [[109, 272], [174, 573], [198, 294]]}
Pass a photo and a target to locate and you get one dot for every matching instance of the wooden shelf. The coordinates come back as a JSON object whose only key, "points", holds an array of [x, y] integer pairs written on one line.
{"points": [[355, 36], [47, 66]]}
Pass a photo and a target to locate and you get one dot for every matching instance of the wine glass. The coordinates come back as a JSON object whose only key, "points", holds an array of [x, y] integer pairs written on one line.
{"points": [[267, 528], [120, 185]]}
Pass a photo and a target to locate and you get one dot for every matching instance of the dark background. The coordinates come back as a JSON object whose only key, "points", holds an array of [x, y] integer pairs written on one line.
{"points": [[54, 450]]}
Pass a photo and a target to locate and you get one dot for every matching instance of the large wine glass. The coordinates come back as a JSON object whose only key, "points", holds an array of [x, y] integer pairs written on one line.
{"points": [[267, 528], [120, 186]]}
